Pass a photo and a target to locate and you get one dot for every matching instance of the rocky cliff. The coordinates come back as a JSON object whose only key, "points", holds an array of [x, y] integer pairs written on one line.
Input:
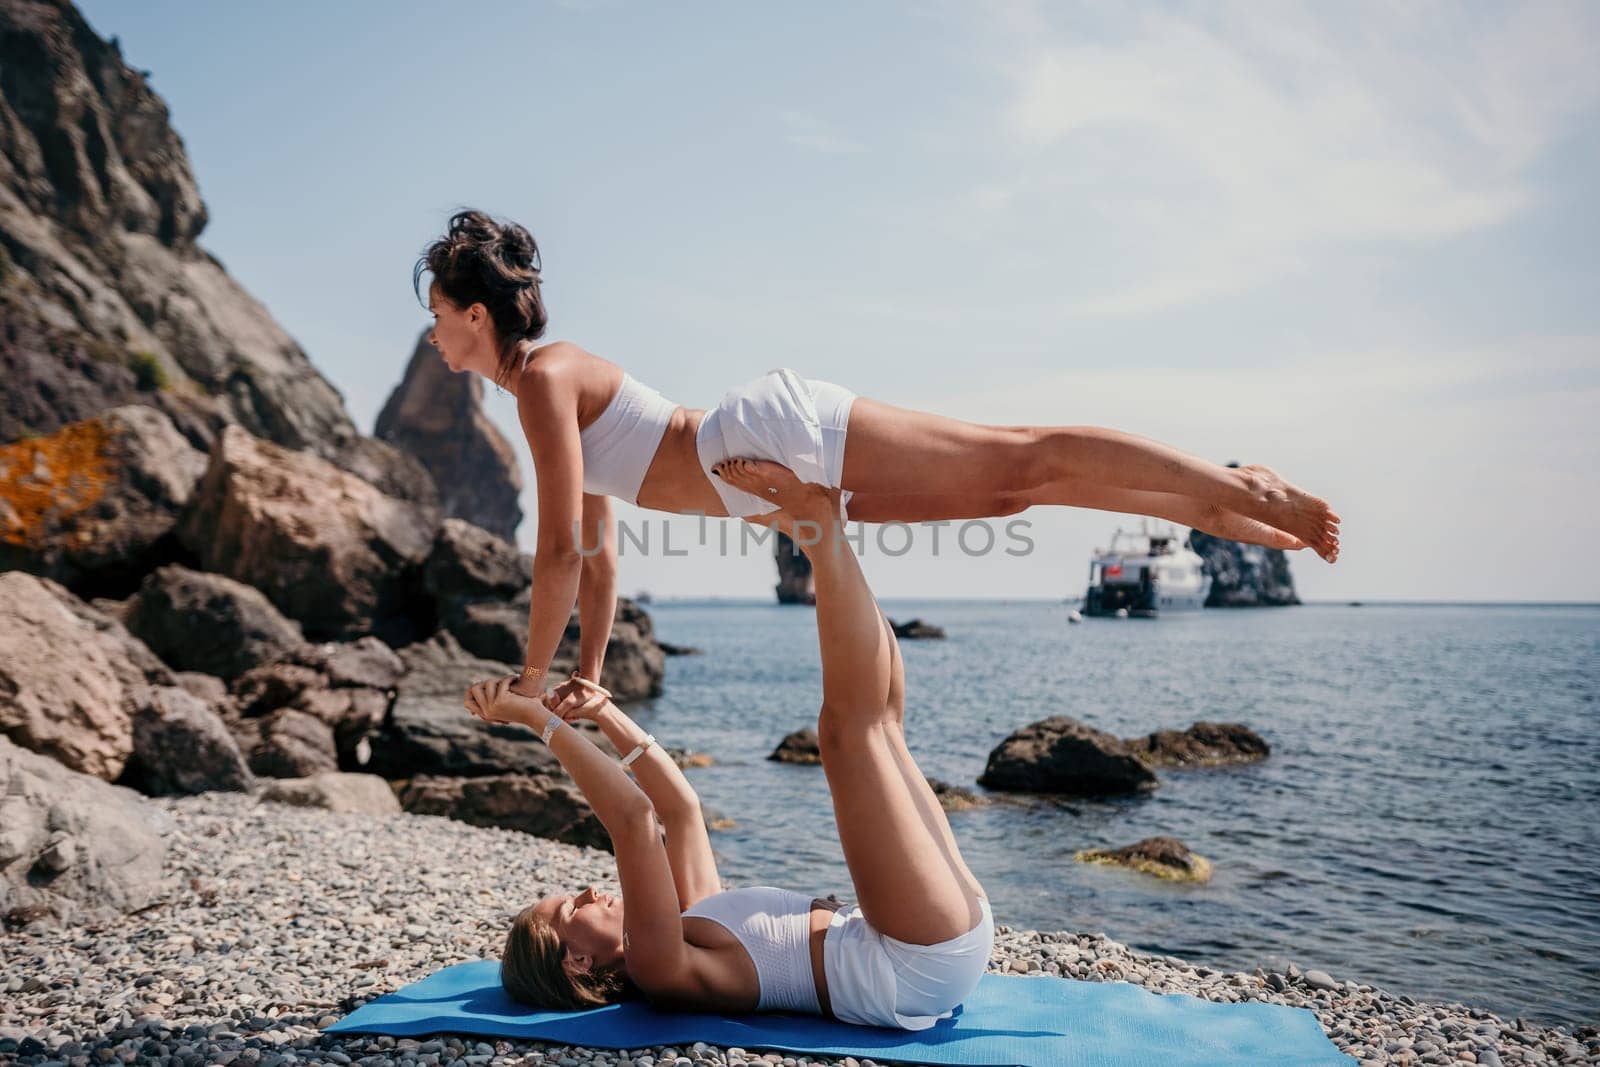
{"points": [[106, 297]]}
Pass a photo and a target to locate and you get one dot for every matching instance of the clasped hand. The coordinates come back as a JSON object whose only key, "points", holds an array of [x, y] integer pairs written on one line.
{"points": [[497, 701]]}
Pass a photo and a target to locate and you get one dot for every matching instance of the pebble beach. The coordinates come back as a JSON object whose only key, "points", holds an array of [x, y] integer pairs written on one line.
{"points": [[280, 920]]}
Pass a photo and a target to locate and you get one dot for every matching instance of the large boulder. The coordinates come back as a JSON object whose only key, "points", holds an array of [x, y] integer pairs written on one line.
{"points": [[366, 794], [181, 746], [438, 416], [1244, 576], [348, 687], [71, 678], [208, 622], [94, 504], [536, 805], [498, 630], [72, 846], [1063, 755], [328, 549], [470, 563], [1205, 744], [288, 744], [428, 731]]}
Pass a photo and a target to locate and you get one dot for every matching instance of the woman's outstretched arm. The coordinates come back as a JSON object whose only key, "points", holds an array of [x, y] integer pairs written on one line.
{"points": [[657, 957], [694, 866]]}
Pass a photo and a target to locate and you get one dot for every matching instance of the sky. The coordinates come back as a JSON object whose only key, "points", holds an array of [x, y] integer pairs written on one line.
{"points": [[1356, 242]]}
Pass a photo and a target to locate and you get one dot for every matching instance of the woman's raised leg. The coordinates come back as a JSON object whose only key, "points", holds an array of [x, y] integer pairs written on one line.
{"points": [[909, 877], [898, 451], [1210, 518]]}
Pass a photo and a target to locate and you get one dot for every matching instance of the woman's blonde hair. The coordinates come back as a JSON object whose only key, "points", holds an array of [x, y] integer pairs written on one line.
{"points": [[532, 974]]}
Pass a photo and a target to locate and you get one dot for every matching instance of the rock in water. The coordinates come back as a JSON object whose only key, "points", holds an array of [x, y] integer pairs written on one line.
{"points": [[438, 417], [1164, 857], [794, 572], [71, 845], [916, 629], [801, 746], [1244, 576], [1062, 755], [1205, 744]]}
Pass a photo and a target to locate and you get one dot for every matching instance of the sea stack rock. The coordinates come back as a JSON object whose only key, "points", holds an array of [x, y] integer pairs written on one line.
{"points": [[437, 416], [794, 572], [1244, 576]]}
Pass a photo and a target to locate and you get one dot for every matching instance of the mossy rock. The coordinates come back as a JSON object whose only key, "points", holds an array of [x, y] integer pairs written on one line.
{"points": [[1164, 857], [148, 370]]}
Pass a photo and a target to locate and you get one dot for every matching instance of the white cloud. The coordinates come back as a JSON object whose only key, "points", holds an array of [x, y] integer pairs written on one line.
{"points": [[1227, 147]]}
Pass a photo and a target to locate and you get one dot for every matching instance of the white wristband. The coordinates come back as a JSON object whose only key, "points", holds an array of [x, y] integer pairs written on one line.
{"points": [[649, 739], [551, 725]]}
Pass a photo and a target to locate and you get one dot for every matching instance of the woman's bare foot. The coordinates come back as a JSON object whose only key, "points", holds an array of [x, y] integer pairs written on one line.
{"points": [[1232, 526], [1293, 510], [807, 511]]}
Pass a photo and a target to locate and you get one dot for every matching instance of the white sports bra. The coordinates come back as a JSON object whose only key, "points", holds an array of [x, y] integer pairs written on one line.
{"points": [[774, 926], [619, 445]]}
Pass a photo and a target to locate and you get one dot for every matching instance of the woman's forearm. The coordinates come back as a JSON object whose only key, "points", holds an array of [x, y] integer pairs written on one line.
{"points": [[615, 798], [555, 588], [597, 610], [657, 773]]}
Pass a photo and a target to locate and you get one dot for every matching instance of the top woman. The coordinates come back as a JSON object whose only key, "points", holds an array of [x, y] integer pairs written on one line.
{"points": [[596, 432]]}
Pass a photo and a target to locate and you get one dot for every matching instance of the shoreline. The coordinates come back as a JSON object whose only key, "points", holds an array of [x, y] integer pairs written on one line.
{"points": [[280, 920]]}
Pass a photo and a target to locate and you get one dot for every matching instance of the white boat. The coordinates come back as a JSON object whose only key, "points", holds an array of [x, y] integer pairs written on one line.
{"points": [[1146, 573]]}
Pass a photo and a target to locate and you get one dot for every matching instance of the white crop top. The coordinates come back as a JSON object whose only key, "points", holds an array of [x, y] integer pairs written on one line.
{"points": [[619, 445], [774, 926]]}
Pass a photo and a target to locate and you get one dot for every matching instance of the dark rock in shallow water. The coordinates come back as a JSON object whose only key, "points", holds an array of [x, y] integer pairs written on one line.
{"points": [[1062, 755], [914, 629], [94, 504], [955, 798], [1164, 857], [1205, 744], [680, 650], [74, 847], [1244, 576], [801, 746], [535, 805], [208, 622], [438, 416]]}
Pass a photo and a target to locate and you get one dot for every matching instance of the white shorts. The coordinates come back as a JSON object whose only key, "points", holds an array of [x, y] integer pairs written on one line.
{"points": [[782, 417], [874, 980]]}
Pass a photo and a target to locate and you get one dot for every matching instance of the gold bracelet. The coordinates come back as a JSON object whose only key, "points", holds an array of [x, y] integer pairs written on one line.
{"points": [[532, 672]]}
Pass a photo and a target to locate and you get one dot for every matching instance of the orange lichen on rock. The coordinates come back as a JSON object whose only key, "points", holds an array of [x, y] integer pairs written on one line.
{"points": [[44, 480]]}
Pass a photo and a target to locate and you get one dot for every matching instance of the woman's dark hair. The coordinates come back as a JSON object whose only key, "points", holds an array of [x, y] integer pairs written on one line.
{"points": [[531, 972], [496, 264]]}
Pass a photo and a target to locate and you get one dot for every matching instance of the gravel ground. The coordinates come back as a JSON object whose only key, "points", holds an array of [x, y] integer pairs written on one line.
{"points": [[282, 919]]}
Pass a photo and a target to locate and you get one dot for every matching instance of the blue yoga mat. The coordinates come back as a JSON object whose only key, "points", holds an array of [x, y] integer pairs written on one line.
{"points": [[1033, 1022]]}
